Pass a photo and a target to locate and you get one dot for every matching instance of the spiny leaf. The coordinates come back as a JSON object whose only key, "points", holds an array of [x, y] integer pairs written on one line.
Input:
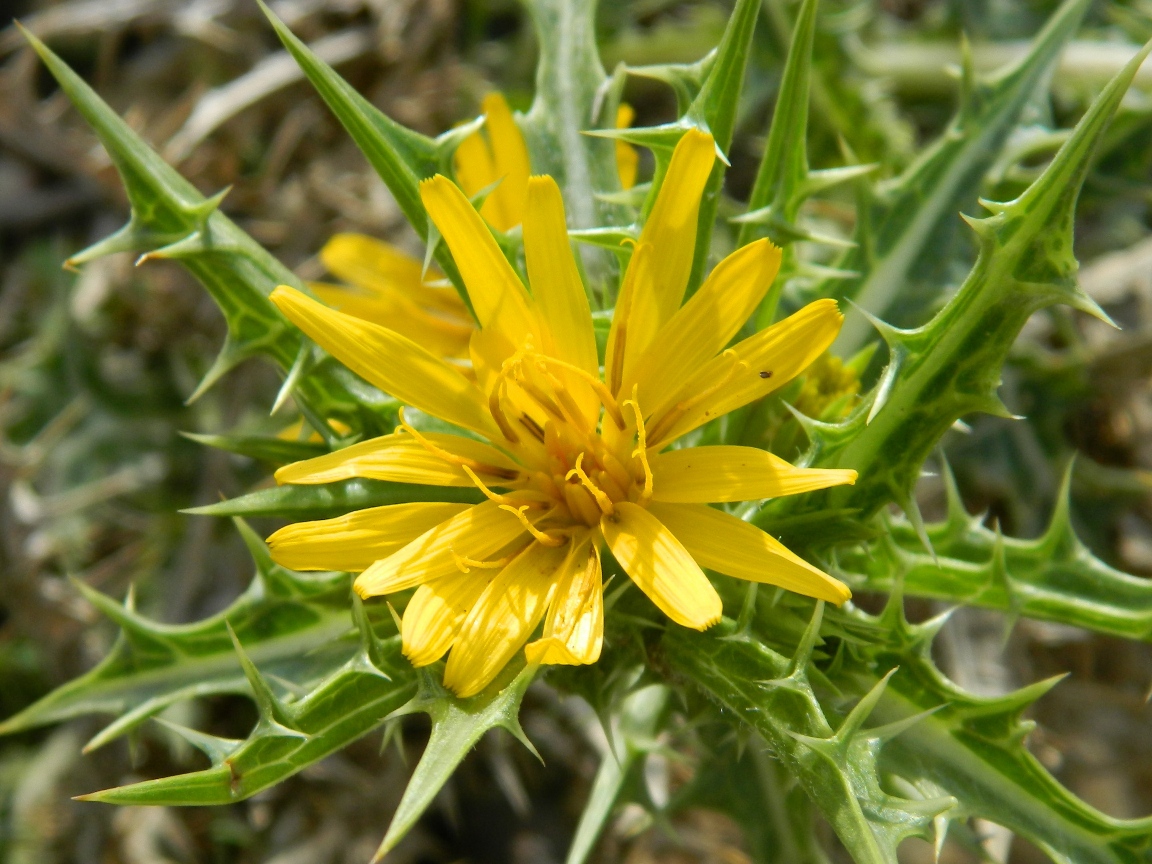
{"points": [[714, 109], [171, 219], [868, 821], [951, 366], [292, 625], [457, 725], [927, 733], [401, 157], [1053, 578], [783, 169], [348, 704], [899, 225], [276, 451], [636, 727], [331, 499]]}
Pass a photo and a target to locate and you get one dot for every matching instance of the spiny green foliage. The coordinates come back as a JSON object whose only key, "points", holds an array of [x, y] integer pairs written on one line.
{"points": [[848, 706], [1054, 577], [283, 615], [901, 222], [951, 366]]}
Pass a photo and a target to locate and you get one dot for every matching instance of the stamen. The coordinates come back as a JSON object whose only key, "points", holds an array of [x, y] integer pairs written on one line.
{"points": [[454, 459], [641, 451], [540, 536], [602, 500], [678, 410], [465, 564], [602, 391], [494, 407], [488, 493]]}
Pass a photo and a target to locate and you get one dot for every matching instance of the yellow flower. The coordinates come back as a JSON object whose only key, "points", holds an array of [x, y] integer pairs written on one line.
{"points": [[627, 156], [573, 458], [501, 155], [388, 287]]}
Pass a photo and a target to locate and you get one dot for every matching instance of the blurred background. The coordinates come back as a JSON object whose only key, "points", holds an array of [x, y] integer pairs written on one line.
{"points": [[95, 368]]}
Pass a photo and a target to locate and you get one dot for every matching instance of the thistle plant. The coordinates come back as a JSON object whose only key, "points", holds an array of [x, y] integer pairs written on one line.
{"points": [[567, 448]]}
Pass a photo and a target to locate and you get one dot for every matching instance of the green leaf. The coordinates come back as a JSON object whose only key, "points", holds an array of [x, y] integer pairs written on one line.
{"points": [[401, 157], [636, 727], [714, 109], [1053, 578], [951, 366], [899, 224], [332, 499], [171, 219], [951, 754], [457, 725], [291, 623], [569, 101], [289, 736], [836, 768], [783, 170], [277, 451]]}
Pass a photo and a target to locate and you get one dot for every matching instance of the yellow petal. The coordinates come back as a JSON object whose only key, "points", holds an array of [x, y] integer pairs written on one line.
{"points": [[393, 363], [496, 292], [660, 565], [635, 321], [370, 263], [671, 226], [706, 323], [504, 208], [473, 164], [749, 370], [555, 281], [352, 542], [478, 533], [503, 618], [559, 292], [627, 156], [574, 629], [433, 616], [439, 334], [726, 472], [729, 545], [402, 459]]}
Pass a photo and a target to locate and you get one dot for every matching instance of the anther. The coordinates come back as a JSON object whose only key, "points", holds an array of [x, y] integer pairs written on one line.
{"points": [[602, 391]]}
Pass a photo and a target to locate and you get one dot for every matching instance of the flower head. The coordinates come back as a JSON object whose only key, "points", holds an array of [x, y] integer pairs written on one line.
{"points": [[574, 458], [389, 287]]}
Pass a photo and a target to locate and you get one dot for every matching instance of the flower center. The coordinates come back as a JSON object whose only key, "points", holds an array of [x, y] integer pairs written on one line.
{"points": [[582, 452]]}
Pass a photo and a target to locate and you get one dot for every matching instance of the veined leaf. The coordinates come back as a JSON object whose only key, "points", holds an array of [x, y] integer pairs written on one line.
{"points": [[570, 81], [1053, 578], [457, 725], [289, 736], [635, 729], [714, 109], [172, 220], [277, 451], [955, 755], [401, 157], [898, 225], [326, 500], [951, 366], [293, 625]]}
